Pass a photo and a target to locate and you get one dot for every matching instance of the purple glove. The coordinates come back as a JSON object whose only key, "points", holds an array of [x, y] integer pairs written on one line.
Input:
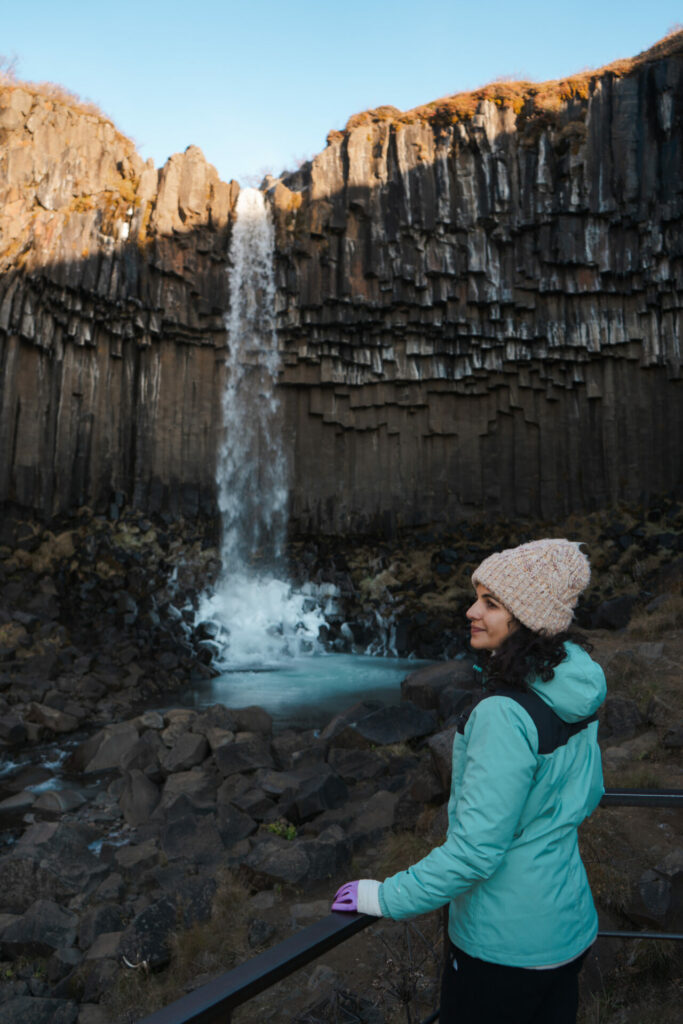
{"points": [[360, 897], [346, 898]]}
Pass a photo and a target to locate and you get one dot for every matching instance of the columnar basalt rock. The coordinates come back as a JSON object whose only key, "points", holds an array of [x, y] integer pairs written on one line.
{"points": [[112, 294], [478, 306], [478, 302]]}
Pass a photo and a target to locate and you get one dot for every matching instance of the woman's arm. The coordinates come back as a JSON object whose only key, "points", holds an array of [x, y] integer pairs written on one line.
{"points": [[500, 763]]}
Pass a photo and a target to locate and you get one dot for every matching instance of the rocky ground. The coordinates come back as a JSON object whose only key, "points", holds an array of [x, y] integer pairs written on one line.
{"points": [[182, 842]]}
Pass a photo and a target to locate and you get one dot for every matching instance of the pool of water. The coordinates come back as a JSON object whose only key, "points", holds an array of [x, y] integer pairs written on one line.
{"points": [[306, 692]]}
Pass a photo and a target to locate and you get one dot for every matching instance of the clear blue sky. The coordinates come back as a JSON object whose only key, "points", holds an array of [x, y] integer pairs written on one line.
{"points": [[258, 85]]}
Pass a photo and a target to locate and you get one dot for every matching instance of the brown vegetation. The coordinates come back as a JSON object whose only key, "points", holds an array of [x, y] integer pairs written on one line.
{"points": [[531, 102]]}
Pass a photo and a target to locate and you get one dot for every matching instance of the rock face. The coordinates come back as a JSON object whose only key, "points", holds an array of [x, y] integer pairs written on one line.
{"points": [[112, 294], [477, 302], [478, 306]]}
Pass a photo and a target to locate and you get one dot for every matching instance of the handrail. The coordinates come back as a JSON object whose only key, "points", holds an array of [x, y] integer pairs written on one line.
{"points": [[214, 1002]]}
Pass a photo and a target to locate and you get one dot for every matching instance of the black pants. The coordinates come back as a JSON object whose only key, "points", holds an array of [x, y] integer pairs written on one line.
{"points": [[483, 993]]}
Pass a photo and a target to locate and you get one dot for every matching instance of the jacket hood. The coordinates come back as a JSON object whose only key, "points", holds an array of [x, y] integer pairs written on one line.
{"points": [[578, 687]]}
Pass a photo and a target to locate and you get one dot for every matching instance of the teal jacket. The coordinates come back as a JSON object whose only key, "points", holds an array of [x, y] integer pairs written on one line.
{"points": [[510, 866]]}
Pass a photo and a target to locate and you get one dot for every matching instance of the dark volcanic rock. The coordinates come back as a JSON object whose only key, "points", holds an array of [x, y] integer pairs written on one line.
{"points": [[614, 614], [441, 748], [356, 765], [27, 1010], [44, 928], [315, 790], [138, 798], [96, 921], [278, 860], [189, 750], [622, 717], [393, 724], [195, 838], [244, 755], [233, 825], [425, 686], [147, 937]]}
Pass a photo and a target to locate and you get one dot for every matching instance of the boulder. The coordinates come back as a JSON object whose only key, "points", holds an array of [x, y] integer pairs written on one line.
{"points": [[137, 857], [395, 723], [23, 879], [105, 917], [615, 613], [218, 737], [44, 928], [376, 816], [234, 825], [673, 738], [351, 716], [29, 1010], [260, 932], [424, 686], [197, 785], [105, 946], [54, 802], [193, 837], [441, 748], [660, 713], [62, 962], [292, 744], [51, 860], [244, 755], [252, 719], [188, 751], [621, 718], [105, 750], [279, 860], [52, 719], [12, 728], [356, 765], [11, 806], [139, 797], [147, 937], [145, 755], [453, 701], [178, 720], [256, 803], [311, 792]]}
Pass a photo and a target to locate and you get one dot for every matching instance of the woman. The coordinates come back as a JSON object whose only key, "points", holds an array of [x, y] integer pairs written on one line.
{"points": [[526, 772]]}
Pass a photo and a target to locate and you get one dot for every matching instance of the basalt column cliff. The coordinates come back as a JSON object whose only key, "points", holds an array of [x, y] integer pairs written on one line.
{"points": [[481, 298], [478, 306], [113, 289]]}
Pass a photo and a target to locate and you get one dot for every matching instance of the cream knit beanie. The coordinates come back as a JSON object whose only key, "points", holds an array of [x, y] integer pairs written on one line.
{"points": [[539, 582]]}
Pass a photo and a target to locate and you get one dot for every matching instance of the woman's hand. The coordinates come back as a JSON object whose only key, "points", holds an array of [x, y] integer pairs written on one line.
{"points": [[360, 897]]}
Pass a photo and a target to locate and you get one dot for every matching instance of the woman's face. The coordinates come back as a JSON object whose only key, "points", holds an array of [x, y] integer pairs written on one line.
{"points": [[490, 621]]}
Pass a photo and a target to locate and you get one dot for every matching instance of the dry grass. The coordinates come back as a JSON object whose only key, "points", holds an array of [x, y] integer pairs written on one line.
{"points": [[399, 850], [646, 989], [197, 953], [533, 101], [667, 616]]}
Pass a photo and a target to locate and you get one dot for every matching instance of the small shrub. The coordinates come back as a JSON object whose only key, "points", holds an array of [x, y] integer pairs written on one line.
{"points": [[282, 828]]}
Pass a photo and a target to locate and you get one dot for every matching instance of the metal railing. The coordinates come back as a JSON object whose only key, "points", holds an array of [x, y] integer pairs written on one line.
{"points": [[214, 1002]]}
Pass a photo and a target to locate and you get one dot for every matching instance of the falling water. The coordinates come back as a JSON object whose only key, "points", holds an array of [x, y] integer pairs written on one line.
{"points": [[260, 618], [252, 492]]}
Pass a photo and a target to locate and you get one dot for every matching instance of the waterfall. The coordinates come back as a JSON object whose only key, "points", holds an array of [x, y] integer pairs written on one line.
{"points": [[251, 476], [259, 618]]}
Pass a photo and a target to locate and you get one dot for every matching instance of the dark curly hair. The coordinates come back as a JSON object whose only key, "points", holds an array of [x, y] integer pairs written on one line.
{"points": [[526, 655]]}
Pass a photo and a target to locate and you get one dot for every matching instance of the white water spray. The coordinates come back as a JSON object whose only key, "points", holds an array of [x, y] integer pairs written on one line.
{"points": [[261, 618]]}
